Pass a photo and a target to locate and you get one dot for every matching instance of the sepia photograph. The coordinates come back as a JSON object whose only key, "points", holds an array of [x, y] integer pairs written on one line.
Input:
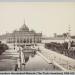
{"points": [[37, 36]]}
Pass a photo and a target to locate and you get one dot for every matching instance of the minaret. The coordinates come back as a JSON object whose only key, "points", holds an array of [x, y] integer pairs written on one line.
{"points": [[69, 30], [69, 37], [24, 21]]}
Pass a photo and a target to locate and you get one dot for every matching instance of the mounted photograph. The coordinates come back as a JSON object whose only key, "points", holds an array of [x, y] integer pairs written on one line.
{"points": [[37, 36]]}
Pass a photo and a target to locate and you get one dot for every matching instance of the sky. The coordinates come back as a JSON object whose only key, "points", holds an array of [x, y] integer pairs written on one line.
{"points": [[45, 17]]}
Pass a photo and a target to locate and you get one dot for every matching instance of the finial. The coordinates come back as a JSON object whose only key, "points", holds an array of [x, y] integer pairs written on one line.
{"points": [[24, 20]]}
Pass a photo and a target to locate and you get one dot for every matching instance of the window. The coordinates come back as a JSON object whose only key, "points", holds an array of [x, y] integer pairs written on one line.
{"points": [[24, 41], [17, 40], [27, 40], [30, 40]]}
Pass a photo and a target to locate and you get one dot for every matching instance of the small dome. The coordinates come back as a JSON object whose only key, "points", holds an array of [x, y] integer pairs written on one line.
{"points": [[32, 31]]}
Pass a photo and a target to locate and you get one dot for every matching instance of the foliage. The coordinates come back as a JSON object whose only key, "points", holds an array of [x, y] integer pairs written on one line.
{"points": [[61, 48], [3, 47], [54, 45]]}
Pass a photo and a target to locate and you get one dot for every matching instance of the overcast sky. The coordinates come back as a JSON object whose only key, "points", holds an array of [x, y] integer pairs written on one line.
{"points": [[44, 17]]}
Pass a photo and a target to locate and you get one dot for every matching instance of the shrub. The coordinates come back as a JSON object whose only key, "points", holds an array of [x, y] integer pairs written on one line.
{"points": [[3, 47]]}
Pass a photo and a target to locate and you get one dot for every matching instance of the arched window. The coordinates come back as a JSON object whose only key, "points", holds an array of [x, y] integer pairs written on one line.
{"points": [[20, 41], [17, 40], [30, 40], [27, 40], [24, 41]]}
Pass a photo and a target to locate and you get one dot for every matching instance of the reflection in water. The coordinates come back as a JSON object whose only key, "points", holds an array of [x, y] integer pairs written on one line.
{"points": [[26, 59], [35, 63], [27, 55]]}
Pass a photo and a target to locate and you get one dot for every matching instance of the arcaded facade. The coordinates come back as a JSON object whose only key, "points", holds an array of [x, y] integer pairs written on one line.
{"points": [[24, 35]]}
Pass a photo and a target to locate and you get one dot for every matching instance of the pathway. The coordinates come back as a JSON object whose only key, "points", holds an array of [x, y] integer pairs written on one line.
{"points": [[8, 60]]}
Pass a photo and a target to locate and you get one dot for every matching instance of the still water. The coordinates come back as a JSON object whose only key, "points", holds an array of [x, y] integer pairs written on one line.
{"points": [[36, 63]]}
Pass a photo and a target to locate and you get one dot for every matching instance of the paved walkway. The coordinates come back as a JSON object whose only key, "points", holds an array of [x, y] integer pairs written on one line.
{"points": [[8, 60], [66, 62], [49, 61]]}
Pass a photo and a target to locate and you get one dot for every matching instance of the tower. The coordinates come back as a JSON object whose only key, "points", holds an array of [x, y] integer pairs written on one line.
{"points": [[69, 30], [69, 36]]}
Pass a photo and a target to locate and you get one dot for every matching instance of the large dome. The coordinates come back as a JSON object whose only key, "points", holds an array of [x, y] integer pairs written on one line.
{"points": [[24, 28]]}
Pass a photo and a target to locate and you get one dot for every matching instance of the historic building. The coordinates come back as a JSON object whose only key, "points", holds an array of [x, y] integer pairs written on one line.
{"points": [[23, 36]]}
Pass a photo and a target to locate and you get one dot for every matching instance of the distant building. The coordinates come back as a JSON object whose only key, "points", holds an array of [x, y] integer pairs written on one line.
{"points": [[58, 38], [22, 36], [64, 35], [53, 39]]}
